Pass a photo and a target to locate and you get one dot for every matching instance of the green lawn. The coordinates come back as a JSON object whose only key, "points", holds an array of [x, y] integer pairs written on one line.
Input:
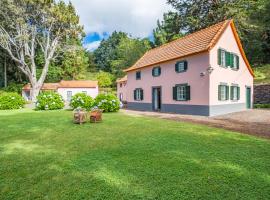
{"points": [[43, 155]]}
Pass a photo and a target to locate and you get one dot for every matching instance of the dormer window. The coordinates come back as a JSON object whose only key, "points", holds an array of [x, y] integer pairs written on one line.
{"points": [[138, 75], [156, 71], [181, 66]]}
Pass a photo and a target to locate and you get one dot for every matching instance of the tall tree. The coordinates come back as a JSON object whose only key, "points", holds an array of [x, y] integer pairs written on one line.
{"points": [[198, 14], [36, 24], [168, 29], [128, 52], [106, 52]]}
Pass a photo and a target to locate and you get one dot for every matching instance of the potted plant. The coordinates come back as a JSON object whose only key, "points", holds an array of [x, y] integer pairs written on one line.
{"points": [[80, 115], [96, 115]]}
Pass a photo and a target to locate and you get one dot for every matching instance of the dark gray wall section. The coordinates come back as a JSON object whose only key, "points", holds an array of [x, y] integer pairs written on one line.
{"points": [[185, 109], [171, 108], [190, 109], [262, 94], [139, 106], [226, 108]]}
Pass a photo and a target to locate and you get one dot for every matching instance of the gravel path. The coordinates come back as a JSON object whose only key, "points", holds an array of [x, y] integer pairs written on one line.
{"points": [[253, 122]]}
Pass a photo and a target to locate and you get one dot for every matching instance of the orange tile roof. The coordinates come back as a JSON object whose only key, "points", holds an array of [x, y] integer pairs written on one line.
{"points": [[198, 42], [45, 86], [124, 79], [65, 84], [78, 84]]}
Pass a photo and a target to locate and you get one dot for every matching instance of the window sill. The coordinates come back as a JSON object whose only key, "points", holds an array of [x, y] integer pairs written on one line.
{"points": [[180, 72], [225, 67], [234, 69]]}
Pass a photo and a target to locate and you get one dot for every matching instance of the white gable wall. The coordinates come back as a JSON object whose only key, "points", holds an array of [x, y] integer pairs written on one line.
{"points": [[93, 92]]}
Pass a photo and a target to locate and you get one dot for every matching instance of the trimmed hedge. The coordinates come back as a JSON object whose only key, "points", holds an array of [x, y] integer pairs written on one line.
{"points": [[107, 102], [11, 101], [82, 100], [262, 106], [49, 101]]}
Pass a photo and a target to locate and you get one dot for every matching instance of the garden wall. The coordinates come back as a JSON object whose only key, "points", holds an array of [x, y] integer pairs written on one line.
{"points": [[262, 94]]}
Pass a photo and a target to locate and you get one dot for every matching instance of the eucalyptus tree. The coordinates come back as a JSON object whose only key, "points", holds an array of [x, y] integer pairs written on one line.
{"points": [[33, 27]]}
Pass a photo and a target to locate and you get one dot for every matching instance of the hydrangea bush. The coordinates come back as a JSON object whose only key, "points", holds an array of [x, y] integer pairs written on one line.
{"points": [[82, 100], [49, 101], [10, 101], [107, 102]]}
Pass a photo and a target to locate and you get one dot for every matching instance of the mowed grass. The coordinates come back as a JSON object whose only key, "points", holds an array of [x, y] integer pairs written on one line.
{"points": [[43, 155]]}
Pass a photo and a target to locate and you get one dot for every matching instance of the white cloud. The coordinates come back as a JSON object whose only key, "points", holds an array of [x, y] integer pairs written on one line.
{"points": [[92, 46], [137, 17]]}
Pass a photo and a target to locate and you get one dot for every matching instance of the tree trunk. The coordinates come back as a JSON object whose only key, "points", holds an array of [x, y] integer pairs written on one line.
{"points": [[5, 72], [34, 91]]}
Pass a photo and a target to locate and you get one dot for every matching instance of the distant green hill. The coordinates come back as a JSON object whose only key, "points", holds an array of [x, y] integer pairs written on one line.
{"points": [[262, 74]]}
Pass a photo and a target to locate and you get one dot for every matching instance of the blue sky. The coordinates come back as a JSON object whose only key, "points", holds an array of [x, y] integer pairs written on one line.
{"points": [[101, 17]]}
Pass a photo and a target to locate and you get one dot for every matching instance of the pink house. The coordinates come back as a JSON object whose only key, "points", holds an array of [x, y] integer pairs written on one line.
{"points": [[122, 89], [204, 73]]}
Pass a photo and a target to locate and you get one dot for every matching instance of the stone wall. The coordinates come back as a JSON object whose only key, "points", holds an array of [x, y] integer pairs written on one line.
{"points": [[262, 94]]}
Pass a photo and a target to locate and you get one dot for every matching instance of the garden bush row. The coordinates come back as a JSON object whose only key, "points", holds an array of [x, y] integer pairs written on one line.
{"points": [[54, 101], [11, 101]]}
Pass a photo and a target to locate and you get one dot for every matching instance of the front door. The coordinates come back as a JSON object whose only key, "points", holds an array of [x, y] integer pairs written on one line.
{"points": [[156, 98], [69, 96], [248, 97]]}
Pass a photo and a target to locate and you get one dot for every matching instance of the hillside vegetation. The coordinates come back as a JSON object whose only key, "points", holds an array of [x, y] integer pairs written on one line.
{"points": [[262, 74]]}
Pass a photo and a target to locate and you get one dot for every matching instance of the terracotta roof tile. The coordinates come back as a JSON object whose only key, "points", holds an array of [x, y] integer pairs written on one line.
{"points": [[78, 84], [122, 79], [46, 86], [197, 42]]}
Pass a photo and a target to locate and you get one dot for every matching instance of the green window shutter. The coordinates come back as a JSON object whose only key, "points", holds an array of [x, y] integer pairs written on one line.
{"points": [[219, 92], [134, 93], [185, 65], [238, 93], [141, 91], [232, 61], [176, 67], [232, 92], [153, 72], [227, 92], [159, 71], [237, 62], [187, 92], [228, 58], [219, 56], [174, 93]]}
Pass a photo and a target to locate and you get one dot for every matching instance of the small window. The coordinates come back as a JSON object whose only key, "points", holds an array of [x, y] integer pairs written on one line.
{"points": [[181, 92], [181, 66], [138, 94], [223, 92], [234, 61], [156, 71], [121, 96], [222, 57], [235, 93], [85, 92], [69, 95], [138, 75]]}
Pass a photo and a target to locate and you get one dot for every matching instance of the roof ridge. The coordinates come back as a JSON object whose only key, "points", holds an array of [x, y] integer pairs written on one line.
{"points": [[189, 35], [219, 33]]}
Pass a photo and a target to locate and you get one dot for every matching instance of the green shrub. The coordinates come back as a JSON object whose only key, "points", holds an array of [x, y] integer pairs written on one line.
{"points": [[107, 102], [10, 101], [262, 106], [49, 101], [14, 87], [82, 100]]}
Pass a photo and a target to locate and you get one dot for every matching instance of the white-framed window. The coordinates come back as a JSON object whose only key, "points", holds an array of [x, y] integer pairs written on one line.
{"points": [[181, 66], [223, 58], [223, 92], [235, 92], [181, 93], [121, 96], [138, 94], [69, 95]]}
